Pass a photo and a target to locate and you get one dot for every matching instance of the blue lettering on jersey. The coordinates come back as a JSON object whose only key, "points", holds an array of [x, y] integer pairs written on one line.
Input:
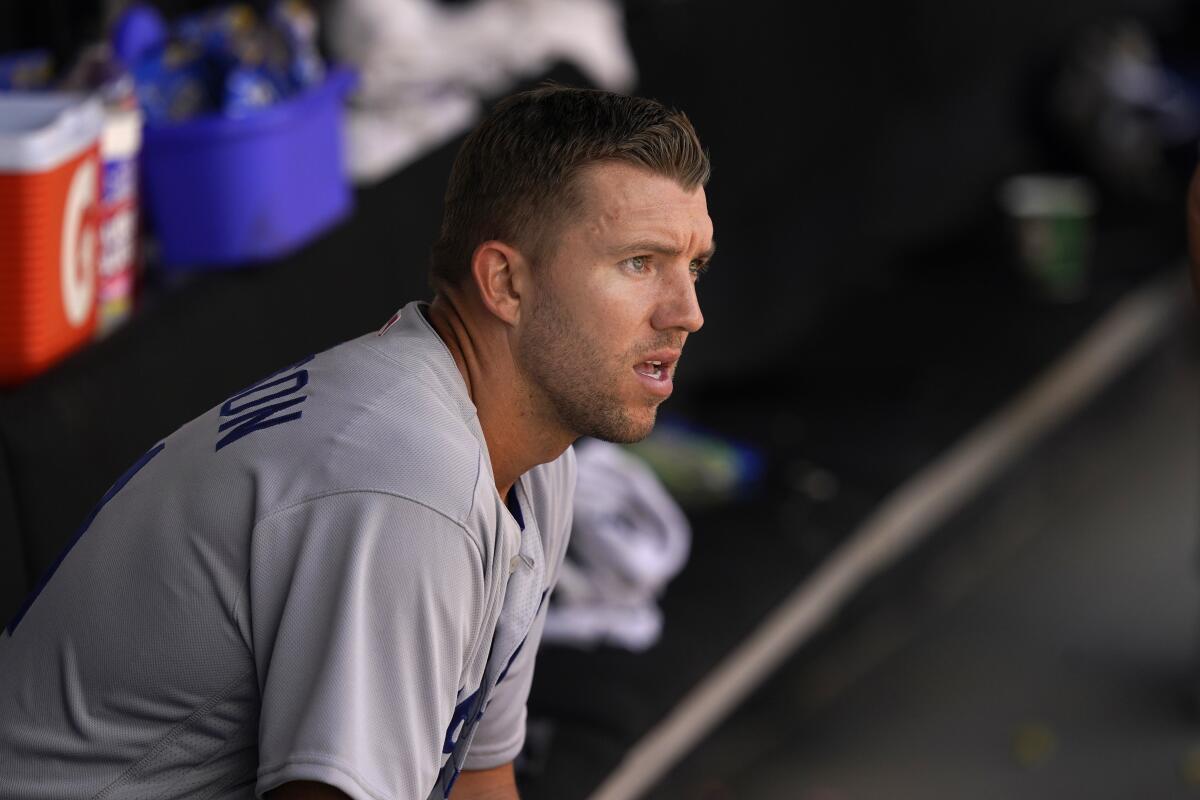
{"points": [[252, 410], [466, 716], [458, 722]]}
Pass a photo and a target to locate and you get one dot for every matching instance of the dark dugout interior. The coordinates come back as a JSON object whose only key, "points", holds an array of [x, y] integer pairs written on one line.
{"points": [[863, 310]]}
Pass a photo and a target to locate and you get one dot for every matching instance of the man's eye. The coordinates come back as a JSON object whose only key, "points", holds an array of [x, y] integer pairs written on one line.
{"points": [[637, 263], [698, 268]]}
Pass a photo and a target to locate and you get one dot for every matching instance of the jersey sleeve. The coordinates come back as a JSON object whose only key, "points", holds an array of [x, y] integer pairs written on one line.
{"points": [[363, 608], [501, 732]]}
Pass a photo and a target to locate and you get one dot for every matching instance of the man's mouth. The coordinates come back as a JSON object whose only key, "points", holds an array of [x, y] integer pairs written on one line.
{"points": [[655, 372], [651, 369]]}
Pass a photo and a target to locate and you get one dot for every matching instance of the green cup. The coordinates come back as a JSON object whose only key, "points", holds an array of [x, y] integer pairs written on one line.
{"points": [[1051, 218]]}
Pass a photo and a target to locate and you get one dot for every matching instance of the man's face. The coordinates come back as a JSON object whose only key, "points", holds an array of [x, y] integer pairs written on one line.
{"points": [[613, 302]]}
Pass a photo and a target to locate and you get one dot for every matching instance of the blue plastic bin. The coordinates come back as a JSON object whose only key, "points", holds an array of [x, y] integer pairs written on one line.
{"points": [[224, 191]]}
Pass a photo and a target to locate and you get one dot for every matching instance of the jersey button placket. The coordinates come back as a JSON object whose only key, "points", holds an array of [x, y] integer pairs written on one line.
{"points": [[514, 534]]}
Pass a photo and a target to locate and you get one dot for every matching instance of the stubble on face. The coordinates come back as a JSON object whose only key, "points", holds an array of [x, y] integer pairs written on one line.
{"points": [[593, 317], [577, 385]]}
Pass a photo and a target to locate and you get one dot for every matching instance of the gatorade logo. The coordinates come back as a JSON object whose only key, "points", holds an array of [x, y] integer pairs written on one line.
{"points": [[78, 259]]}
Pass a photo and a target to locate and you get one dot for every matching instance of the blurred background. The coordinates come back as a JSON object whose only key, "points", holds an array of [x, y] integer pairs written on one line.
{"points": [[921, 519]]}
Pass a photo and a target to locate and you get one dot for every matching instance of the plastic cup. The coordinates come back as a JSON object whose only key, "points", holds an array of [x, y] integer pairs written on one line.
{"points": [[1051, 218]]}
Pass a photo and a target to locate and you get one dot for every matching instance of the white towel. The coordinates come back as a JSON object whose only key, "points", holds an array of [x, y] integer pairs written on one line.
{"points": [[629, 539], [423, 66]]}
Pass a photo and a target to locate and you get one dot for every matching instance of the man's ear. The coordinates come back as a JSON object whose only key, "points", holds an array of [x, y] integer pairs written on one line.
{"points": [[498, 272]]}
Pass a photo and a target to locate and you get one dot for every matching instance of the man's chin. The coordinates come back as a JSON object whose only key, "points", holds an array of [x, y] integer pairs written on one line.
{"points": [[628, 429]]}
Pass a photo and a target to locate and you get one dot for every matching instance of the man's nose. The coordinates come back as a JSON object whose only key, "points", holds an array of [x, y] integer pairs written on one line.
{"points": [[680, 307]]}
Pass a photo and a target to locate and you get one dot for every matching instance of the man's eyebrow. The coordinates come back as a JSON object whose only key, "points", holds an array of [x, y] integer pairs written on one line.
{"points": [[661, 248]]}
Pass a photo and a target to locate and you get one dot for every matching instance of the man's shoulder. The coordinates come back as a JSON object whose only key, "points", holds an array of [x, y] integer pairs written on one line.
{"points": [[405, 436], [367, 418]]}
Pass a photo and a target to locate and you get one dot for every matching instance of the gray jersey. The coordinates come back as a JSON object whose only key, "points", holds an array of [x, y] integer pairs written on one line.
{"points": [[315, 580]]}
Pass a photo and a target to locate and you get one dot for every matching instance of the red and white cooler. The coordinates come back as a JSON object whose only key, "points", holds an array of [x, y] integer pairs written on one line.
{"points": [[50, 177]]}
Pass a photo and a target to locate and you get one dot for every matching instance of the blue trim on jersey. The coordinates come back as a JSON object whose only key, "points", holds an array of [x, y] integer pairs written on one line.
{"points": [[87, 523], [514, 506]]}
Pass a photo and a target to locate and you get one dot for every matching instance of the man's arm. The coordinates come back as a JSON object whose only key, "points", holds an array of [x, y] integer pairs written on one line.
{"points": [[497, 783], [365, 605]]}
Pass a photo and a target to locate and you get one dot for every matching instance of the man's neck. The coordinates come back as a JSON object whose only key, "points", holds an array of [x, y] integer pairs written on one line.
{"points": [[518, 436]]}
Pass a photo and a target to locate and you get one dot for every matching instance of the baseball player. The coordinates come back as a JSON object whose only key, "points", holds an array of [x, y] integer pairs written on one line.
{"points": [[334, 583]]}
